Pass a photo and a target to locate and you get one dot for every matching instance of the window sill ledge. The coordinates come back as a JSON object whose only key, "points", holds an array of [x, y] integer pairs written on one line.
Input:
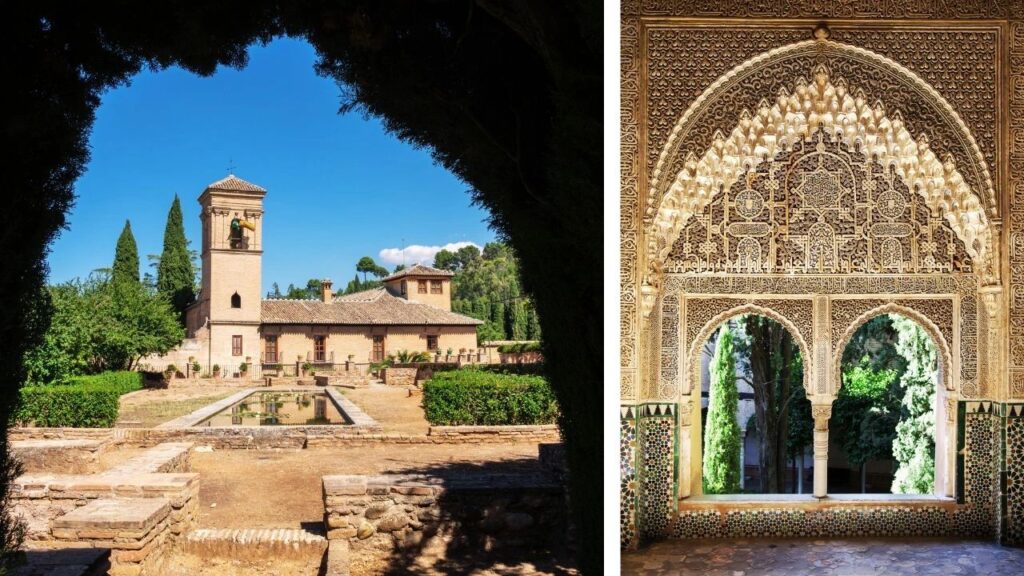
{"points": [[754, 501]]}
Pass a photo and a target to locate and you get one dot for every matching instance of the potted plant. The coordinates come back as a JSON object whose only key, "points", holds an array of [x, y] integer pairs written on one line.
{"points": [[307, 368], [448, 355], [196, 368], [243, 368], [170, 372], [216, 370]]}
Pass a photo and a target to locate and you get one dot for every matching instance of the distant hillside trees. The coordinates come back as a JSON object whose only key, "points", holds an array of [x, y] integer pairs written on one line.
{"points": [[486, 287]]}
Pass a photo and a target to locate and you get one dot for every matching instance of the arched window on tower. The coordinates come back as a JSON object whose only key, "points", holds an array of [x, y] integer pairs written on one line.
{"points": [[236, 300]]}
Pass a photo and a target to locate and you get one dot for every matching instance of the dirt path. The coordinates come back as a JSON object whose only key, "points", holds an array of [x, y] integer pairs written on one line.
{"points": [[392, 407], [282, 489]]}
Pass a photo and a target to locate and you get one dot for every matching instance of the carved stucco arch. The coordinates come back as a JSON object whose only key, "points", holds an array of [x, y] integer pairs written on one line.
{"points": [[944, 346], [793, 114], [692, 373]]}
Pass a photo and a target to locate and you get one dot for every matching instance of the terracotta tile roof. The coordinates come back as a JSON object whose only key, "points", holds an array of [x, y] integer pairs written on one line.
{"points": [[235, 184], [371, 307], [419, 270]]}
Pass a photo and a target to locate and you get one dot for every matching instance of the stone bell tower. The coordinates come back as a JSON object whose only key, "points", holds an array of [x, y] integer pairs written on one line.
{"points": [[229, 298]]}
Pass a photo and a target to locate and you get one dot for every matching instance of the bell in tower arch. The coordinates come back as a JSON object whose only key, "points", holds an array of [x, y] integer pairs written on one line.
{"points": [[236, 236]]}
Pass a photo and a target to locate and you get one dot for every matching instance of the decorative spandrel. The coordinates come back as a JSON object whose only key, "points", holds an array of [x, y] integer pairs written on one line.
{"points": [[819, 207]]}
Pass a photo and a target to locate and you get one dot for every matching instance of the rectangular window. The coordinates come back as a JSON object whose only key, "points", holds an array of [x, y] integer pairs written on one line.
{"points": [[270, 349], [405, 288], [421, 286], [378, 348], [319, 348], [236, 345], [435, 286], [432, 343]]}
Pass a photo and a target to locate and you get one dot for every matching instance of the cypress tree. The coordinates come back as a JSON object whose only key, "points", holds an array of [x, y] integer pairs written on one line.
{"points": [[126, 257], [498, 318], [174, 277], [722, 432], [914, 445], [519, 327], [533, 325]]}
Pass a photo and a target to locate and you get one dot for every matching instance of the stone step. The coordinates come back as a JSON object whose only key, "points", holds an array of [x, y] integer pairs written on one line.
{"points": [[109, 518], [251, 543], [165, 457]]}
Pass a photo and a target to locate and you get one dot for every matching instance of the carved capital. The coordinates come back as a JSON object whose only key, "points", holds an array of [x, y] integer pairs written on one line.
{"points": [[821, 414]]}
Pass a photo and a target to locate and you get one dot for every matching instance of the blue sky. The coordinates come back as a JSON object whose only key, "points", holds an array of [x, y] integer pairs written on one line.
{"points": [[339, 187]]}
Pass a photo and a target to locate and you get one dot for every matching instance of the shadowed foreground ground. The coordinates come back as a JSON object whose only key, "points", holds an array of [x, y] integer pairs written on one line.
{"points": [[852, 557]]}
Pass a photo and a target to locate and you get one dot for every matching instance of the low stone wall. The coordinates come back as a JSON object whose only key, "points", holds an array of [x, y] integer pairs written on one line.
{"points": [[487, 434], [17, 433], [64, 456], [137, 532], [393, 376], [298, 437], [398, 518]]}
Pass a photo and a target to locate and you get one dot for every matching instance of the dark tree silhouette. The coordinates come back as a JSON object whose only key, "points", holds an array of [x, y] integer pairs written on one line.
{"points": [[505, 94]]}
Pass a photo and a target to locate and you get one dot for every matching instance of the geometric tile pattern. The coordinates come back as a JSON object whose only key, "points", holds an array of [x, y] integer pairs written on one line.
{"points": [[982, 463], [789, 521], [657, 502], [1013, 532], [627, 477]]}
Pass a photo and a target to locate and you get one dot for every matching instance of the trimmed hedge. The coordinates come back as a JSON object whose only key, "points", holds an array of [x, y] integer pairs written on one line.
{"points": [[520, 348], [477, 397], [528, 369], [84, 402]]}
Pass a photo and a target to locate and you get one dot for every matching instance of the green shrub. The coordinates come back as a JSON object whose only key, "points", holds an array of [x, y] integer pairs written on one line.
{"points": [[479, 397], [84, 402]]}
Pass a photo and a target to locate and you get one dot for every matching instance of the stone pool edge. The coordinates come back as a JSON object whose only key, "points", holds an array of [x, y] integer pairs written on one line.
{"points": [[348, 409]]}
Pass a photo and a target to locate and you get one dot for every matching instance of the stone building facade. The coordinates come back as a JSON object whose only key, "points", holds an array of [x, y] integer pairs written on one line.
{"points": [[231, 324]]}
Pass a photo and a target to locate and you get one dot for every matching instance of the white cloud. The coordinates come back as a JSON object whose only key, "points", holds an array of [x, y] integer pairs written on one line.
{"points": [[419, 254]]}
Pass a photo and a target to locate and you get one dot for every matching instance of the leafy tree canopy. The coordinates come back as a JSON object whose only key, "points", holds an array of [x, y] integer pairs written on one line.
{"points": [[914, 445], [100, 324]]}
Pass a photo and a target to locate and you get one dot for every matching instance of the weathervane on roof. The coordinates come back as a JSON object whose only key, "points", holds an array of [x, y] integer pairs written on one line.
{"points": [[231, 166]]}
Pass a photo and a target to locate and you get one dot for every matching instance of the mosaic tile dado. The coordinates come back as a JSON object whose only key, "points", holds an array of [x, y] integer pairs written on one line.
{"points": [[627, 477], [1012, 520], [657, 429]]}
